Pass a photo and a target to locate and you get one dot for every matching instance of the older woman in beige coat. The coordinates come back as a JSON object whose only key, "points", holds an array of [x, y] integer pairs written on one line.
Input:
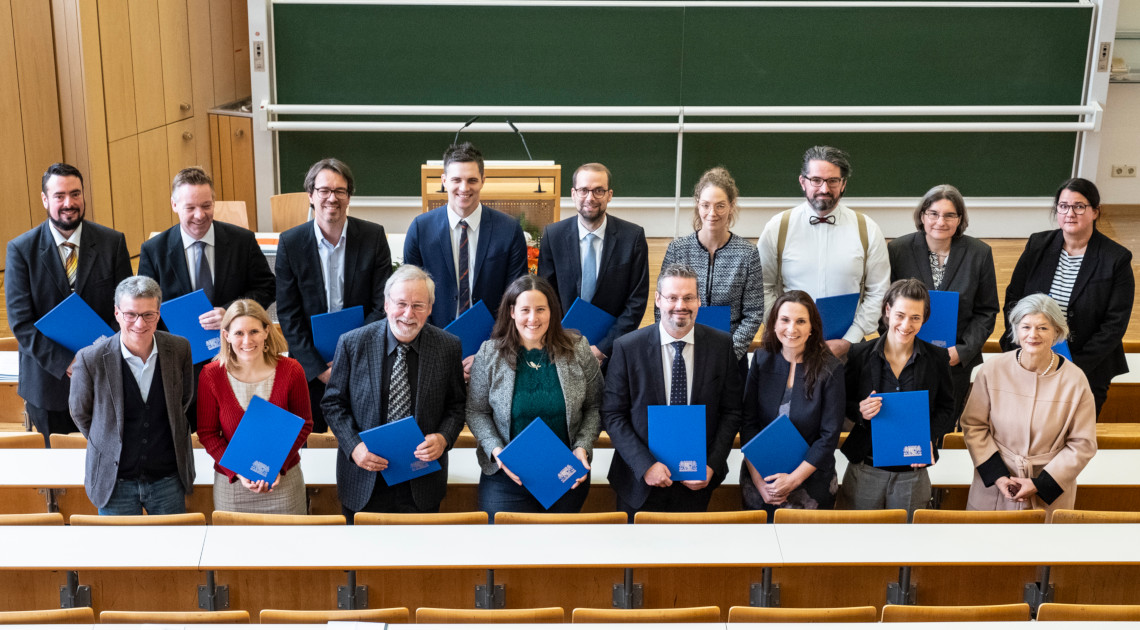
{"points": [[1030, 422]]}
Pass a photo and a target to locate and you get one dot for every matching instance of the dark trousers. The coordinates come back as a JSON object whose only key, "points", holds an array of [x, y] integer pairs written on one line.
{"points": [[676, 498], [497, 493], [316, 393], [388, 500], [48, 421], [1100, 394]]}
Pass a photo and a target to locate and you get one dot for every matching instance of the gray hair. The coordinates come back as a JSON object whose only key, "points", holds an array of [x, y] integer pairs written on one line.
{"points": [[831, 155], [675, 271], [138, 288], [410, 273], [1038, 303]]}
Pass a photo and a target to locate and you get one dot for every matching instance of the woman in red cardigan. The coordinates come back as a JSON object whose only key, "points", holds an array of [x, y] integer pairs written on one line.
{"points": [[250, 364]]}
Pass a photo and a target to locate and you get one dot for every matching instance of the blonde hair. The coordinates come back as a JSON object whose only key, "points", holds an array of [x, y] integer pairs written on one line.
{"points": [[274, 342]]}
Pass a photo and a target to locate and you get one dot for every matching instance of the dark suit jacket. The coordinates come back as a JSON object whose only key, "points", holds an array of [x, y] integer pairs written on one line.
{"points": [[1099, 307], [301, 283], [240, 269], [499, 258], [635, 380], [35, 282], [97, 406], [969, 272], [623, 275], [352, 404]]}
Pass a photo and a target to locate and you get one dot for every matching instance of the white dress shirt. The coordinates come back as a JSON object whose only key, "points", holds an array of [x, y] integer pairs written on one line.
{"points": [[192, 256], [59, 241], [601, 234], [473, 219], [143, 371], [332, 266], [667, 353]]}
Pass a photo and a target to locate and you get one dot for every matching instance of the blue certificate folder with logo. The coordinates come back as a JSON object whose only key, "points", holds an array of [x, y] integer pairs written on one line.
{"points": [[397, 442], [778, 448], [1061, 348], [546, 467], [677, 439], [900, 433], [473, 327], [718, 317], [591, 321], [262, 441], [328, 327], [73, 324], [837, 313], [181, 318], [942, 327]]}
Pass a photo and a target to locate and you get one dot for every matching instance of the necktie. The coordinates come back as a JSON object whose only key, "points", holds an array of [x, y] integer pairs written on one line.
{"points": [[399, 393], [464, 271], [72, 264], [678, 391], [589, 269], [205, 279], [814, 220]]}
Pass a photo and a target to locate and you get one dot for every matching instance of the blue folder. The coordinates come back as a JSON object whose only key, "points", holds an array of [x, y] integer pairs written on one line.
{"points": [[778, 448], [473, 327], [942, 327], [397, 442], [262, 441], [591, 321], [181, 318], [677, 439], [328, 327], [546, 467], [837, 313], [1062, 348], [73, 324], [900, 433], [718, 317]]}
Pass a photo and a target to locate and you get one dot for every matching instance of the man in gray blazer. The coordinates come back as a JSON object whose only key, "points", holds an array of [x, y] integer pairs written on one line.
{"points": [[129, 396], [387, 370]]}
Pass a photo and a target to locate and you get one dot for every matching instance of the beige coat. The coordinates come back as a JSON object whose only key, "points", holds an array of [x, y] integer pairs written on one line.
{"points": [[1035, 422]]}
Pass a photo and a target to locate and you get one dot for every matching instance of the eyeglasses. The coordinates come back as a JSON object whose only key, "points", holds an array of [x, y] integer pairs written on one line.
{"points": [[1076, 208], [149, 317], [719, 208], [416, 307], [934, 216], [817, 182], [323, 193], [676, 299], [598, 192]]}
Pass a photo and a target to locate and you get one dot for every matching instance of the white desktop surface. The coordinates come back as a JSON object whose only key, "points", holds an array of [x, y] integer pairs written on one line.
{"points": [[94, 547]]}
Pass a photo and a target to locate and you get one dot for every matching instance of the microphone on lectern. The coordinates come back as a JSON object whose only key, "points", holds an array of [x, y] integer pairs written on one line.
{"points": [[525, 148]]}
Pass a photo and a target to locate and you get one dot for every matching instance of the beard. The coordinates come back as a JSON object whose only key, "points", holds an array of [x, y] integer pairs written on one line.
{"points": [[823, 205], [66, 226]]}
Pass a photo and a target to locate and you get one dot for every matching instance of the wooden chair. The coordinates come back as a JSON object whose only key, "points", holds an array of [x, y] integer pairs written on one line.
{"points": [[1094, 516], [1118, 441], [554, 614], [954, 440], [9, 343], [784, 515], [749, 614], [232, 212], [664, 518], [67, 440], [375, 615], [173, 618], [22, 440], [1087, 612], [190, 518], [57, 615], [440, 518], [998, 612], [289, 210], [47, 518], [321, 440], [697, 614], [221, 517], [979, 516], [593, 518]]}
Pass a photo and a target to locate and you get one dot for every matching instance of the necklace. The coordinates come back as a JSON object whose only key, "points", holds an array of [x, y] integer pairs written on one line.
{"points": [[534, 365], [539, 355], [1052, 360]]}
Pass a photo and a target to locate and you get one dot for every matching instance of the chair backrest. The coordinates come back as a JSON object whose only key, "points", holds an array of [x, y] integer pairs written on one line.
{"points": [[321, 440], [176, 617], [663, 518], [232, 212], [554, 614], [289, 210], [22, 440], [9, 343], [954, 440], [439, 518], [998, 612], [47, 518], [749, 614], [979, 516], [1087, 612], [594, 518], [67, 440], [221, 517], [697, 614], [1094, 516], [375, 615], [784, 515], [56, 615], [189, 518]]}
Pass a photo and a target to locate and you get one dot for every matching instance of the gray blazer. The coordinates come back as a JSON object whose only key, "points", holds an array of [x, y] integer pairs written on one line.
{"points": [[96, 402], [492, 390]]}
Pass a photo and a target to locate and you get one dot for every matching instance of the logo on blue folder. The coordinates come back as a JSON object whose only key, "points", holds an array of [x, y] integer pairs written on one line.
{"points": [[913, 450], [566, 473], [259, 468], [214, 343], [687, 465], [419, 465]]}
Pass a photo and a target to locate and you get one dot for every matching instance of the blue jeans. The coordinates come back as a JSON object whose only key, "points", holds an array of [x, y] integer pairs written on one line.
{"points": [[497, 493], [130, 496]]}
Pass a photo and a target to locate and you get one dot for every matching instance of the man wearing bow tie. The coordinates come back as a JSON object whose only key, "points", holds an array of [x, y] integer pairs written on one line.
{"points": [[825, 248]]}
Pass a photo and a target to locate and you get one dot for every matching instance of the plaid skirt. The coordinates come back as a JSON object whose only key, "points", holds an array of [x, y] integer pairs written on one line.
{"points": [[287, 498]]}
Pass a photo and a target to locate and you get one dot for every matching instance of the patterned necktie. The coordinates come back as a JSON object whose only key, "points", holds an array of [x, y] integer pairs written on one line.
{"points": [[464, 271], [72, 264], [205, 279], [678, 391], [399, 392], [814, 220], [589, 269]]}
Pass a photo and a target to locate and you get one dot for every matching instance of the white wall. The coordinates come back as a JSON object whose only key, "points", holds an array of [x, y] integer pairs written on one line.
{"points": [[1120, 129]]}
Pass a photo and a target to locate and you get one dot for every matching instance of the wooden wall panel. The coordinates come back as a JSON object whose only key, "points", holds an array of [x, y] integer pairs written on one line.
{"points": [[39, 102], [240, 18], [202, 76], [222, 40], [154, 174], [175, 38], [12, 162], [126, 191], [118, 69], [182, 146], [146, 60], [95, 115], [69, 75], [241, 150]]}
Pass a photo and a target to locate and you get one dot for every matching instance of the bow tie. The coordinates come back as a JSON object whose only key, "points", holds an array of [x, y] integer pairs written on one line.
{"points": [[814, 220]]}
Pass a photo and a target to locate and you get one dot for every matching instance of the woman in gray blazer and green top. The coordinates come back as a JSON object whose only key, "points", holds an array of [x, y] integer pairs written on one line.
{"points": [[532, 368]]}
